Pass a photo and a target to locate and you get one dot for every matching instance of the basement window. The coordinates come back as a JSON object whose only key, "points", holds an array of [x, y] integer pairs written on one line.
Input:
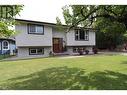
{"points": [[77, 49], [36, 51]]}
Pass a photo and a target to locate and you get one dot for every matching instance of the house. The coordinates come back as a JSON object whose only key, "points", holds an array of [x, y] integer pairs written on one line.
{"points": [[39, 39], [7, 46]]}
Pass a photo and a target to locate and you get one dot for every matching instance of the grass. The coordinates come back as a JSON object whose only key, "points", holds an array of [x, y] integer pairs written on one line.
{"points": [[88, 72], [4, 56]]}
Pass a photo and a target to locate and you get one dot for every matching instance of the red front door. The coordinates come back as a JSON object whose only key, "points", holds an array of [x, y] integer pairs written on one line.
{"points": [[57, 45]]}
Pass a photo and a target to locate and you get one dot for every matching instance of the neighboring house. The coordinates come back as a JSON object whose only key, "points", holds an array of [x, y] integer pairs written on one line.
{"points": [[7, 46], [37, 39]]}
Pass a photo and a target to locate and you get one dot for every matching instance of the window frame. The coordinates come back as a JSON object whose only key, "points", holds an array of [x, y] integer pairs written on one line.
{"points": [[75, 49], [0, 45], [35, 25], [79, 48], [36, 51], [78, 32], [4, 46]]}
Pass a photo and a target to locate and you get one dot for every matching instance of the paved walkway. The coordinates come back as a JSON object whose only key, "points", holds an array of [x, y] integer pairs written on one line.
{"points": [[67, 57]]}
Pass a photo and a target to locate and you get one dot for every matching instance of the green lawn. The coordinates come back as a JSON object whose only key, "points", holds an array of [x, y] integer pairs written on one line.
{"points": [[4, 56], [88, 72]]}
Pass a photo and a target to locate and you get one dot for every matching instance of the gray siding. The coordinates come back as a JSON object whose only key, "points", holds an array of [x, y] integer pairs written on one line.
{"points": [[72, 42], [23, 52], [25, 39]]}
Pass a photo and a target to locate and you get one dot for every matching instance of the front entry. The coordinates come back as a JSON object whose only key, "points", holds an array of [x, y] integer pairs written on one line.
{"points": [[57, 45]]}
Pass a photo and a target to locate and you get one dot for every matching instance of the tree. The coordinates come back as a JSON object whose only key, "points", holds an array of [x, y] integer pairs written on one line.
{"points": [[110, 20], [86, 15], [7, 19], [110, 34]]}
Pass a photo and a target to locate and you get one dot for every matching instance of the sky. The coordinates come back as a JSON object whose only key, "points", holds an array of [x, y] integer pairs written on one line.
{"points": [[48, 10], [41, 10]]}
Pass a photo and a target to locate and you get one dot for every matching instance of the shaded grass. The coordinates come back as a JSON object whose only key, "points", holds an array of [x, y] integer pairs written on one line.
{"points": [[88, 72], [4, 56]]}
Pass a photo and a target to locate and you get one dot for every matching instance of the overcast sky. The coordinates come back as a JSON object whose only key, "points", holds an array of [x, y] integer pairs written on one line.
{"points": [[48, 10], [43, 11]]}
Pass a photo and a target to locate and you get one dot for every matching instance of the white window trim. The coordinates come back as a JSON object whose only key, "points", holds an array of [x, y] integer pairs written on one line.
{"points": [[78, 34], [36, 29], [3, 45], [0, 46], [36, 51], [86, 35], [33, 49]]}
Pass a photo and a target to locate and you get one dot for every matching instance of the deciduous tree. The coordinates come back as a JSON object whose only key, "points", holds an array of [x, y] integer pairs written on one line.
{"points": [[7, 19]]}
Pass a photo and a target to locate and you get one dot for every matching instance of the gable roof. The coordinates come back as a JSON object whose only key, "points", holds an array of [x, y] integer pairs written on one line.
{"points": [[10, 39], [33, 21]]}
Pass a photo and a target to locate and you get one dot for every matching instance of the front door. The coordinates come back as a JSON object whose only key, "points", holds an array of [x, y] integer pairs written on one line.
{"points": [[57, 45]]}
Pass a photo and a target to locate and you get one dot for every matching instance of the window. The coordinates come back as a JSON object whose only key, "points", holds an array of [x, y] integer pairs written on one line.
{"points": [[39, 29], [35, 29], [40, 51], [0, 45], [32, 28], [5, 45], [36, 51], [32, 51], [81, 34], [76, 49]]}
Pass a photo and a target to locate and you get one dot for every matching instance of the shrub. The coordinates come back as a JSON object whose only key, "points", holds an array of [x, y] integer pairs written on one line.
{"points": [[51, 53], [87, 51], [80, 52], [95, 50]]}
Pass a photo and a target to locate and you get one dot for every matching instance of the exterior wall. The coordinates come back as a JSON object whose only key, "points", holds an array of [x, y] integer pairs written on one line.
{"points": [[70, 50], [12, 48], [72, 42], [23, 52], [59, 34], [25, 39], [0, 47]]}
